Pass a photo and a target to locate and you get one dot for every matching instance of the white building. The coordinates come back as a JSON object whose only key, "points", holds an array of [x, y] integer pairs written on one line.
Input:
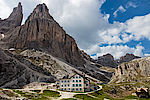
{"points": [[74, 83]]}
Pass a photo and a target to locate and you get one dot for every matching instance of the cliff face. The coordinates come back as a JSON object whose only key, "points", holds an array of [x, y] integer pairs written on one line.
{"points": [[15, 71], [42, 32], [13, 20], [134, 71], [107, 60]]}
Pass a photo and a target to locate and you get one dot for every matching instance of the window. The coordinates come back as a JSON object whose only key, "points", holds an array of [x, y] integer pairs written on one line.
{"points": [[76, 89], [76, 76], [73, 81], [85, 89], [65, 85], [76, 85], [80, 85], [68, 80], [79, 76], [80, 89], [73, 76], [69, 89], [73, 85], [79, 80], [72, 89], [65, 81], [76, 80], [61, 89], [68, 85], [61, 85], [61, 81], [86, 84]]}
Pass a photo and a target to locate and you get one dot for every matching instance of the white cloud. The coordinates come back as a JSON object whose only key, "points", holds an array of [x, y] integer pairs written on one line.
{"points": [[116, 50], [4, 10], [120, 9], [80, 18], [139, 27], [131, 4], [147, 55]]}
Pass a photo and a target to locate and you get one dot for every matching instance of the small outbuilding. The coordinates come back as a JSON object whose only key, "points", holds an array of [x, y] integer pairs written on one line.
{"points": [[143, 93]]}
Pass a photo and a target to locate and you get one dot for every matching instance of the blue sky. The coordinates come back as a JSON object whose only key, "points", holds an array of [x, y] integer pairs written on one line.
{"points": [[133, 8], [98, 26], [130, 9]]}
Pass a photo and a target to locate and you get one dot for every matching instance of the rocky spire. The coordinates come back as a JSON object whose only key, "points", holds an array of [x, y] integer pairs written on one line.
{"points": [[42, 32], [17, 12], [14, 20], [41, 11]]}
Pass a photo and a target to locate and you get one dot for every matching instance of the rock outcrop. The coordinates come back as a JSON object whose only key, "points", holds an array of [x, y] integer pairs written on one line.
{"points": [[128, 57], [12, 21], [42, 32], [15, 71], [107, 60], [137, 70]]}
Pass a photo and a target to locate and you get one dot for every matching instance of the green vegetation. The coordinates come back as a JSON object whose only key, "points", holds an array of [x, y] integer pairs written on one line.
{"points": [[19, 92], [69, 99], [37, 91], [121, 91], [41, 98], [101, 95], [85, 96], [131, 97], [134, 97], [46, 95], [27, 95], [51, 93]]}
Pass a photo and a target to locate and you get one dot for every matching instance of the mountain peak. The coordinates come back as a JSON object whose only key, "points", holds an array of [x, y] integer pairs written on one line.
{"points": [[42, 8], [41, 11], [16, 11], [14, 20]]}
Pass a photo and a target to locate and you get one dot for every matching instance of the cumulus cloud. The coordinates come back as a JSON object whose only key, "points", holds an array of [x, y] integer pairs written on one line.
{"points": [[4, 10], [131, 4], [147, 55], [115, 50], [139, 27], [120, 9], [80, 18]]}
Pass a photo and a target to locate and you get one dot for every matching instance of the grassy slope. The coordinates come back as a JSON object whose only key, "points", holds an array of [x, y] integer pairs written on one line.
{"points": [[36, 96]]}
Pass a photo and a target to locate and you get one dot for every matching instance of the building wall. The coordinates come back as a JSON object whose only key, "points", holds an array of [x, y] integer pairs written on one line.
{"points": [[86, 85], [76, 83], [65, 85]]}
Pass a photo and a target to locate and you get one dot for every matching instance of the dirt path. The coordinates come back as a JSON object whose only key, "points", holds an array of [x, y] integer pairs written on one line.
{"points": [[63, 94], [71, 94]]}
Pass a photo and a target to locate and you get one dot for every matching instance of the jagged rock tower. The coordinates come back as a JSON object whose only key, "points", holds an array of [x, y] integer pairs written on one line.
{"points": [[13, 20], [42, 32]]}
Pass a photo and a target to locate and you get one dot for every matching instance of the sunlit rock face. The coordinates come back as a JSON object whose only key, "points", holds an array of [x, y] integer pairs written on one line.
{"points": [[42, 32], [137, 70]]}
